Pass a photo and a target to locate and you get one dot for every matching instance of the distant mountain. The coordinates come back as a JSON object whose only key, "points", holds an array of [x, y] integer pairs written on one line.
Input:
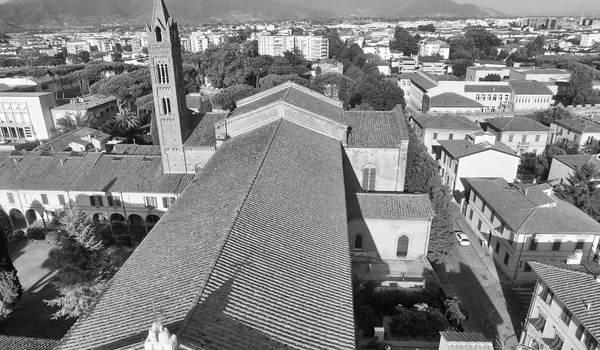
{"points": [[111, 11]]}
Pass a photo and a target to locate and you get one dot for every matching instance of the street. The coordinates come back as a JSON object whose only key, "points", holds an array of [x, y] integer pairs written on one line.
{"points": [[471, 276]]}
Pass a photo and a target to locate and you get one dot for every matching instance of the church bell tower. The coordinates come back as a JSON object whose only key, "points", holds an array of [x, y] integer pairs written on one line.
{"points": [[166, 70]]}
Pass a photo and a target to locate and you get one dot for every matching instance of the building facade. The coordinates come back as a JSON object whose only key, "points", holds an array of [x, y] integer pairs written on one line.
{"points": [[26, 116], [522, 134], [312, 47]]}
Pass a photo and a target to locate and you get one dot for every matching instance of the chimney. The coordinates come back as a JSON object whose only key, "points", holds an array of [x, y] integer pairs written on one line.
{"points": [[576, 258], [379, 333], [588, 305]]}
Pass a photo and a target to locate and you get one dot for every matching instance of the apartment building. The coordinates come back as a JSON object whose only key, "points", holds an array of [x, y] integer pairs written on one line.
{"points": [[75, 47], [428, 47], [579, 131], [432, 129], [25, 116], [381, 50], [530, 96], [493, 97], [523, 135], [478, 155], [198, 42], [523, 223], [478, 73], [563, 166], [565, 309], [102, 108], [312, 47], [590, 39]]}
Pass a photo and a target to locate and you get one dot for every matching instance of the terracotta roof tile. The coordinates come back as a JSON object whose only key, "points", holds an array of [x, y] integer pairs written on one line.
{"points": [[462, 148], [452, 99], [283, 275], [26, 343], [464, 336], [172, 264], [124, 148], [574, 286], [488, 88], [577, 160], [528, 211], [372, 129], [445, 121], [522, 87], [515, 124], [204, 133], [399, 206], [61, 142], [577, 125]]}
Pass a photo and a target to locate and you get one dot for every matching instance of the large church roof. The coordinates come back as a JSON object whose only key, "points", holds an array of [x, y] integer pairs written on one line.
{"points": [[253, 254]]}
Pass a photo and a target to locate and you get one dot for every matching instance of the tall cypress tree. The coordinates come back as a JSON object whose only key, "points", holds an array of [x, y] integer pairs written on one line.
{"points": [[10, 286]]}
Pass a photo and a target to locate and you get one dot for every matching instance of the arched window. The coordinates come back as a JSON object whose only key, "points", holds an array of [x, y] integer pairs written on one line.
{"points": [[368, 180], [402, 250], [358, 242], [164, 106], [162, 74], [158, 34]]}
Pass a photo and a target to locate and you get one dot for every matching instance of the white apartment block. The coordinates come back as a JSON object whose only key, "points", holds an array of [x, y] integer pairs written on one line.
{"points": [[434, 47], [589, 39], [198, 42], [26, 116], [75, 47], [312, 47]]}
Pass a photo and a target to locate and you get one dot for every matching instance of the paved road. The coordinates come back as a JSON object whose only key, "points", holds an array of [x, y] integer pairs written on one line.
{"points": [[471, 275]]}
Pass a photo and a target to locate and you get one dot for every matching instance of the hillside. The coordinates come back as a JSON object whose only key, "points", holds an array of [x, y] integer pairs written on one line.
{"points": [[109, 11]]}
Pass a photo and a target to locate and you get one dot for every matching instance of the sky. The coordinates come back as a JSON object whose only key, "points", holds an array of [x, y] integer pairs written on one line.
{"points": [[540, 7]]}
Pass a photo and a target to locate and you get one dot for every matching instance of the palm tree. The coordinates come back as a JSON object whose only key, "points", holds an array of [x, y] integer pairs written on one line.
{"points": [[127, 120]]}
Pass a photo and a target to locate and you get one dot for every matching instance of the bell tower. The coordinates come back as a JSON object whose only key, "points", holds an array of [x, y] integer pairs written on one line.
{"points": [[166, 70]]}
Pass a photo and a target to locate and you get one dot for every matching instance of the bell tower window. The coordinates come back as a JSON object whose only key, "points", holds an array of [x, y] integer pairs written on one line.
{"points": [[162, 73], [158, 34]]}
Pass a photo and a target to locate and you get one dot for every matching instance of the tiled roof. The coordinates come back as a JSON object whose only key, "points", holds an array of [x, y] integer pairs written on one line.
{"points": [[445, 121], [398, 206], [529, 210], [423, 82], [374, 129], [50, 171], [577, 125], [452, 99], [124, 148], [131, 173], [488, 88], [252, 255], [61, 142], [464, 337], [462, 148], [26, 343], [516, 124], [295, 95], [575, 286], [545, 71], [204, 133], [522, 87], [577, 160]]}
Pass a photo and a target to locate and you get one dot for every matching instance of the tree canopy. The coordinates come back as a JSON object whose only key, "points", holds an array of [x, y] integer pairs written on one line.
{"points": [[404, 42]]}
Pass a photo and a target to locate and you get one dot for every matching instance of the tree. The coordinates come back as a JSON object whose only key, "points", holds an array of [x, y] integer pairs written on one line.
{"points": [[190, 78], [228, 97], [127, 121], [459, 67], [453, 313], [492, 77], [422, 177], [579, 89], [404, 42], [84, 267], [10, 286], [417, 324], [502, 55], [70, 122], [581, 190], [548, 116], [125, 87], [484, 40], [426, 28]]}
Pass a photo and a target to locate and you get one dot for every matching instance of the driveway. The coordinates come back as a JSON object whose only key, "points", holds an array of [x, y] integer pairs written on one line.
{"points": [[485, 294]]}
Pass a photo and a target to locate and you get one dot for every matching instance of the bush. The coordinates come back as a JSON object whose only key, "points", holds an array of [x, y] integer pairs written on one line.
{"points": [[10, 292], [412, 324], [124, 240], [16, 236], [36, 233], [53, 238]]}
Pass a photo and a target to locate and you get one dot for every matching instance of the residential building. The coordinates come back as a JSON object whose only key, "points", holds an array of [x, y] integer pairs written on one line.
{"points": [[381, 50], [404, 82], [478, 155], [25, 116], [520, 224], [590, 39], [492, 97], [564, 311], [432, 67], [563, 166], [329, 65], [523, 135], [432, 129], [579, 131], [101, 108], [312, 47], [406, 65], [478, 73], [450, 102], [421, 83], [428, 47], [530, 96], [198, 42], [75, 47]]}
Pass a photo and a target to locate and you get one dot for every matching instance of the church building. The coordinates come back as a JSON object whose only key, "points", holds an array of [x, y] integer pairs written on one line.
{"points": [[271, 208]]}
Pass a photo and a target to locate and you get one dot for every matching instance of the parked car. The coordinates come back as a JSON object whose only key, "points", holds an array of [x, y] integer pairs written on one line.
{"points": [[462, 238]]}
